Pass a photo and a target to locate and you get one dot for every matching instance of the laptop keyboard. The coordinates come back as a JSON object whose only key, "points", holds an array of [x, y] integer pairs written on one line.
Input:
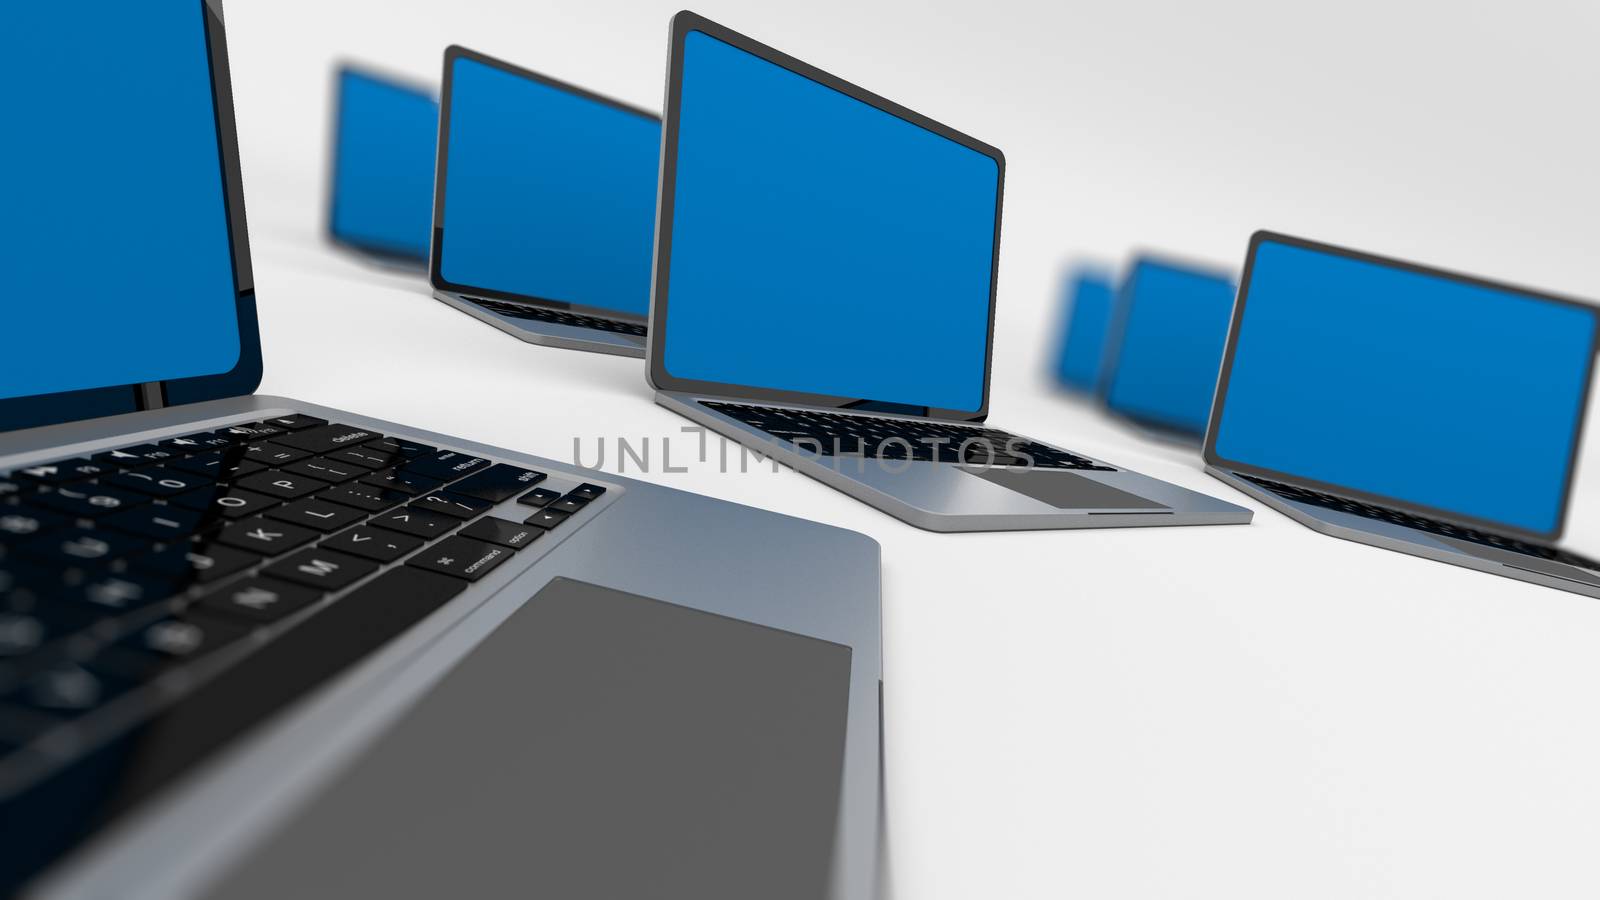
{"points": [[915, 440], [528, 311], [177, 592], [1433, 526]]}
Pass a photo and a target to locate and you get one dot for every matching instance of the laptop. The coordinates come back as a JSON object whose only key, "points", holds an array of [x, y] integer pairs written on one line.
{"points": [[380, 182], [1089, 298], [256, 647], [824, 293], [1406, 407], [543, 207], [1165, 347]]}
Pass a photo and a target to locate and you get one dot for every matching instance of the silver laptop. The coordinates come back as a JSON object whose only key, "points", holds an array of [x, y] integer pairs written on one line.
{"points": [[1407, 408], [256, 647], [544, 202], [824, 292]]}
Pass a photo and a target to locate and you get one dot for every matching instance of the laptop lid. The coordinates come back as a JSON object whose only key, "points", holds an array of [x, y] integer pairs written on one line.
{"points": [[380, 188], [545, 192], [1165, 345], [1436, 393], [816, 243], [127, 266], [1089, 298]]}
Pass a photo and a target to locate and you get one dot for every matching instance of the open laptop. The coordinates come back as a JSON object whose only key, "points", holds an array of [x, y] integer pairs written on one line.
{"points": [[1165, 346], [380, 181], [1089, 298], [543, 206], [1407, 407], [255, 647], [825, 276]]}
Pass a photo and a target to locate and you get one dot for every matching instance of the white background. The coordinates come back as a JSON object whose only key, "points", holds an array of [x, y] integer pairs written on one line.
{"points": [[1221, 712]]}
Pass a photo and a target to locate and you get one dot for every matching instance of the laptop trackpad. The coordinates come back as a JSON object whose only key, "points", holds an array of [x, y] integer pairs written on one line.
{"points": [[597, 744], [1064, 490]]}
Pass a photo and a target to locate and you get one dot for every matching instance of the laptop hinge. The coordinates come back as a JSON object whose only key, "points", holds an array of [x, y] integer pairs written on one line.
{"points": [[149, 395]]}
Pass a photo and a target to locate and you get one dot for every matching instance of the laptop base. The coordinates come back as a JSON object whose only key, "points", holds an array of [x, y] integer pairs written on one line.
{"points": [[950, 498], [549, 334], [1416, 542]]}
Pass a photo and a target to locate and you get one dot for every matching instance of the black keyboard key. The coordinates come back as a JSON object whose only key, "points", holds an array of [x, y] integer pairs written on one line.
{"points": [[539, 497], [498, 482], [223, 465], [566, 505], [25, 521], [272, 455], [325, 469], [252, 431], [499, 531], [157, 482], [322, 439], [376, 544], [400, 480], [196, 443], [125, 591], [461, 558], [295, 422], [265, 536], [452, 506], [366, 458], [80, 545], [586, 492], [186, 564], [313, 512], [68, 689], [545, 518], [221, 500], [417, 522], [151, 453], [260, 599], [63, 471], [120, 459], [8, 488], [365, 497], [281, 484], [322, 569], [446, 464], [163, 645], [88, 501], [20, 634], [399, 446], [158, 523]]}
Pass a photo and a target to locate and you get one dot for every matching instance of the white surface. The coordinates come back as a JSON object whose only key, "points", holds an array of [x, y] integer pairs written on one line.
{"points": [[1248, 712]]}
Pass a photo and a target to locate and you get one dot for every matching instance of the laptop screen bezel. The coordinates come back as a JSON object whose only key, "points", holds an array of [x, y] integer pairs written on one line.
{"points": [[1215, 460], [685, 23], [17, 413], [436, 256], [349, 242]]}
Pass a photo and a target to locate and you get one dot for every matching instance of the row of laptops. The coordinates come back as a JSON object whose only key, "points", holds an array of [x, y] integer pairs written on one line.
{"points": [[1372, 399], [257, 647]]}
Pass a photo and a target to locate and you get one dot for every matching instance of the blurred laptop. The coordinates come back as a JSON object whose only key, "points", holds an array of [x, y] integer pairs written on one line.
{"points": [[1089, 298], [255, 647], [1165, 346], [1407, 407], [825, 278], [544, 206], [380, 185]]}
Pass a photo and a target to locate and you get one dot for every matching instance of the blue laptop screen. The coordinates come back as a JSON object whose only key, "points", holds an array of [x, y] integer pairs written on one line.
{"points": [[1408, 385], [548, 194], [114, 240], [1174, 326], [383, 165], [1088, 319], [822, 245]]}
